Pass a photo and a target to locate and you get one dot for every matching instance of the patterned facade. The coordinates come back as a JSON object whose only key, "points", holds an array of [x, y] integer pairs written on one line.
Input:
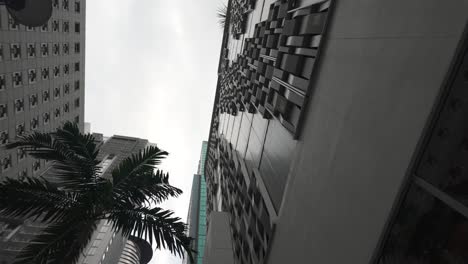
{"points": [[330, 143], [262, 90], [41, 79]]}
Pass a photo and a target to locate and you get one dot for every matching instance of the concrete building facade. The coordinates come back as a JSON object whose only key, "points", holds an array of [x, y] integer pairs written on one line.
{"points": [[42, 73], [337, 133]]}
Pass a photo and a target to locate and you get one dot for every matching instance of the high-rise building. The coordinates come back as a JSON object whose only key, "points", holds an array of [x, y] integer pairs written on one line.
{"points": [[338, 133], [41, 79], [196, 219], [108, 246]]}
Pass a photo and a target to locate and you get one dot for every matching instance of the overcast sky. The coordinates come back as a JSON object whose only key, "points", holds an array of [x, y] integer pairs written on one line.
{"points": [[151, 73]]}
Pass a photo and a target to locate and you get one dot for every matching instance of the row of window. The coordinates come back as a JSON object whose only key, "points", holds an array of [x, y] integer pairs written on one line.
{"points": [[17, 78], [6, 164], [65, 5], [55, 25], [19, 104], [35, 50]]}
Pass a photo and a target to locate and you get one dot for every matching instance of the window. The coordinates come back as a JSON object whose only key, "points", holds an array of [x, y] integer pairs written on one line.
{"points": [[56, 49], [34, 123], [77, 47], [77, 27], [92, 251], [19, 105], [44, 49], [96, 243], [56, 71], [77, 102], [2, 82], [55, 26], [3, 111], [65, 4], [45, 27], [55, 4], [66, 69], [66, 49], [77, 120], [17, 79], [31, 50], [45, 118], [56, 92], [21, 153], [32, 76], [28, 28], [45, 96], [66, 108], [57, 113], [66, 26], [1, 52], [77, 66], [4, 137], [66, 88], [36, 166], [12, 24], [6, 162], [20, 129], [15, 51], [22, 174], [77, 7], [33, 100], [45, 73], [77, 85]]}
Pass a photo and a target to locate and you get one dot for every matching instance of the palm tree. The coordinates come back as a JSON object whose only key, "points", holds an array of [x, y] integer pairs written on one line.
{"points": [[221, 14], [72, 197]]}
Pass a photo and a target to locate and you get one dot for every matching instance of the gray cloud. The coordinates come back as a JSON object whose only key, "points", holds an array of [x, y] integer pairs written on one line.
{"points": [[151, 73]]}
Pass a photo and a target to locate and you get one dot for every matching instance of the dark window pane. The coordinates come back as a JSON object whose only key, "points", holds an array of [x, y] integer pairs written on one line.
{"points": [[426, 231]]}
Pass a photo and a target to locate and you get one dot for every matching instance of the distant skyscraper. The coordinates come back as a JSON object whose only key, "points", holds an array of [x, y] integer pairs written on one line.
{"points": [[196, 219], [42, 73], [107, 246]]}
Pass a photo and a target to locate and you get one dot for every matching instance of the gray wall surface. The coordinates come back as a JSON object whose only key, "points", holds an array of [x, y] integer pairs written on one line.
{"points": [[218, 247], [381, 70]]}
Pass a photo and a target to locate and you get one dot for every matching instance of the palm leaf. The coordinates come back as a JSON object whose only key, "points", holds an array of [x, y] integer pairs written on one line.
{"points": [[143, 162], [60, 242], [144, 187], [35, 197], [156, 224], [222, 14], [74, 162]]}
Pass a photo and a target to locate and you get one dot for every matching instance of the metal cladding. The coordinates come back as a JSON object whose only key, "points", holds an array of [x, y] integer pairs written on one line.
{"points": [[272, 75]]}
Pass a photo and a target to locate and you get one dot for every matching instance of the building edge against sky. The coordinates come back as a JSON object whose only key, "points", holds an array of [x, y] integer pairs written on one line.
{"points": [[327, 123], [196, 219]]}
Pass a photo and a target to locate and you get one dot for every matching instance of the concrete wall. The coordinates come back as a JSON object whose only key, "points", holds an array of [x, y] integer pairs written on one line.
{"points": [[382, 68], [218, 248]]}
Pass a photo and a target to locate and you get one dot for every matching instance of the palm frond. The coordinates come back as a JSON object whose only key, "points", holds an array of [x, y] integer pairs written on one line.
{"points": [[82, 145], [73, 155], [221, 13], [147, 186], [157, 224], [60, 242], [35, 197], [143, 162]]}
